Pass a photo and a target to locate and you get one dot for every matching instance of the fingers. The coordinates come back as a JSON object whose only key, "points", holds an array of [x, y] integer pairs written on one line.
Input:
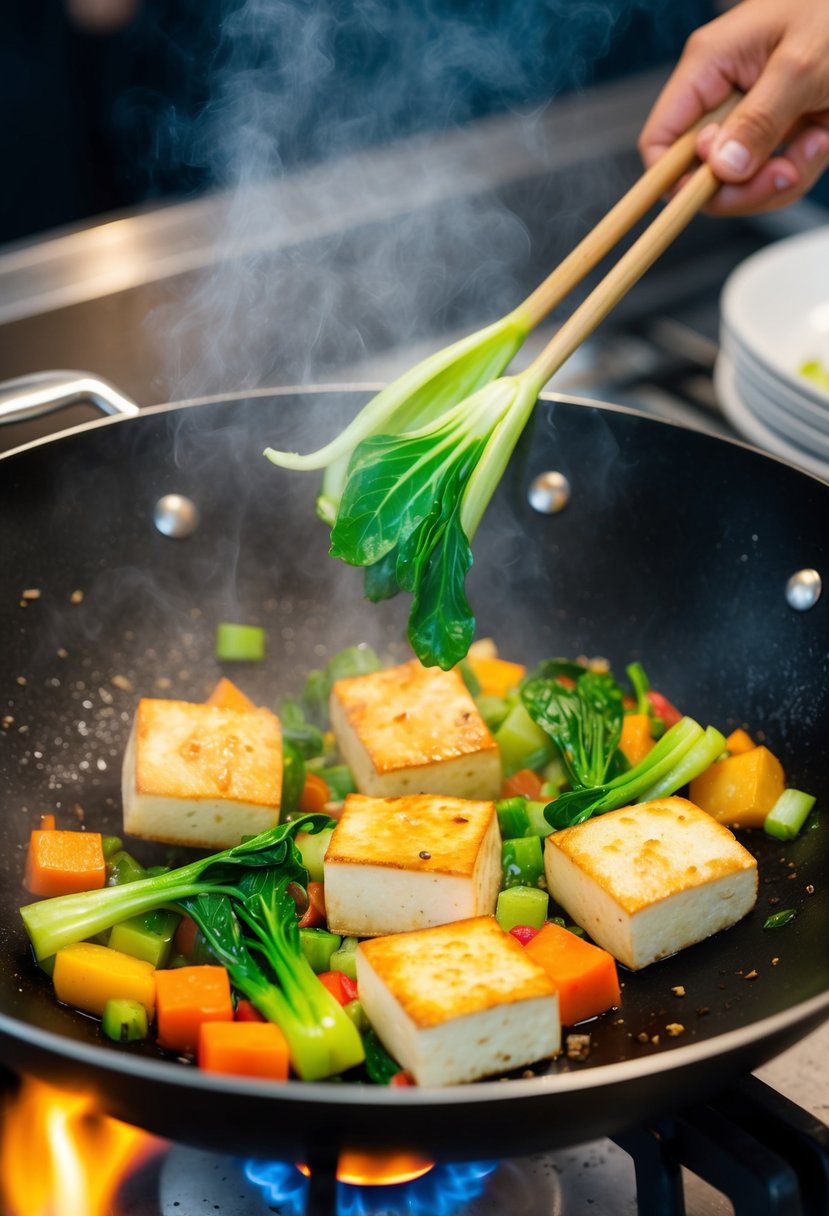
{"points": [[781, 179]]}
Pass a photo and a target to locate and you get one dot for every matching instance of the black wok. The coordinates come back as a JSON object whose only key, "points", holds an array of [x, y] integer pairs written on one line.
{"points": [[675, 548]]}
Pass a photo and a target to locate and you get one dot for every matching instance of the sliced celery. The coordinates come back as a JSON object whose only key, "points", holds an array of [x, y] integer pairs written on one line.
{"points": [[148, 936], [239, 643], [513, 819], [788, 815], [522, 863], [521, 906], [124, 1021], [522, 743], [318, 945], [538, 825], [492, 709]]}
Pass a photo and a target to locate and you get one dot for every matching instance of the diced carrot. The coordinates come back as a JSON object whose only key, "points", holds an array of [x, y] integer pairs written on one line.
{"points": [[341, 986], [314, 914], [315, 794], [227, 696], [496, 677], [739, 741], [740, 790], [636, 740], [402, 1080], [186, 997], [86, 976], [244, 1049], [47, 823], [62, 863], [584, 975], [525, 782], [245, 1011]]}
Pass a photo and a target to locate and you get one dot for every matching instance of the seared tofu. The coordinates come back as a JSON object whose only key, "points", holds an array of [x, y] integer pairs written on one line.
{"points": [[458, 1002], [396, 864], [199, 775], [414, 730], [648, 880]]}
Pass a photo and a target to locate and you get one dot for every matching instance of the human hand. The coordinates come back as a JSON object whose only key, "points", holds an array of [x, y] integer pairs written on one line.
{"points": [[777, 53]]}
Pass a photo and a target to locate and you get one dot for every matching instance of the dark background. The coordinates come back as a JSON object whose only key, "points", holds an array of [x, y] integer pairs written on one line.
{"points": [[100, 117]]}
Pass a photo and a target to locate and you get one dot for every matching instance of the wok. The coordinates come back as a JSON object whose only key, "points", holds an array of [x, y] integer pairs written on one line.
{"points": [[675, 548]]}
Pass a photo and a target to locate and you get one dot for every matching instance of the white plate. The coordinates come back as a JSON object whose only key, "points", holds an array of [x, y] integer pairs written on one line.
{"points": [[744, 421], [803, 396], [780, 417], [776, 306]]}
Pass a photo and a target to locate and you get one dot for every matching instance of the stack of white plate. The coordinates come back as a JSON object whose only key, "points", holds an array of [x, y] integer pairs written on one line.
{"points": [[774, 318]]}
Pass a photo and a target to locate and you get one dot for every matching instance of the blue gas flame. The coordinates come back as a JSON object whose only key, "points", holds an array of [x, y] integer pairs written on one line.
{"points": [[444, 1191]]}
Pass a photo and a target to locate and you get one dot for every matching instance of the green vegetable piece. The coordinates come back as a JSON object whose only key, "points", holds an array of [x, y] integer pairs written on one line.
{"points": [[788, 815], [314, 699], [239, 643], [312, 851], [538, 825], [380, 1066], [778, 919], [521, 906], [522, 743], [148, 937], [154, 871], [318, 945], [355, 1011], [584, 722], [123, 868], [641, 687], [305, 736], [345, 959], [492, 709], [340, 781], [473, 684], [696, 760], [110, 845], [47, 965], [513, 819], [353, 661], [293, 779], [522, 864], [124, 1021]]}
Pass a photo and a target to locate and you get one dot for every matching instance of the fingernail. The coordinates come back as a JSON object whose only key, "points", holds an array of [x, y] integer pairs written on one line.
{"points": [[816, 145], [733, 155]]}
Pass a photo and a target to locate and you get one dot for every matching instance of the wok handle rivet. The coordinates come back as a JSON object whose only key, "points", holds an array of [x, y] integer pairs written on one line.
{"points": [[549, 492], [803, 590], [176, 516]]}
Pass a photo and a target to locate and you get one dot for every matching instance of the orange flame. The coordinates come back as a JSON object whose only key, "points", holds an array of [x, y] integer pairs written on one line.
{"points": [[371, 1169], [60, 1156]]}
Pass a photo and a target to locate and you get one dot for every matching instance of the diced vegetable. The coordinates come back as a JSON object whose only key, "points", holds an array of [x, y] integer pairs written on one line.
{"points": [[312, 851], [314, 914], [341, 986], [496, 677], [636, 740], [584, 975], [522, 743], [380, 1066], [523, 933], [493, 710], [245, 1011], [63, 863], [244, 1049], [345, 959], [788, 815], [663, 708], [522, 862], [121, 868], [315, 794], [110, 846], [185, 999], [318, 945], [149, 936], [740, 790], [513, 819], [524, 783], [239, 643], [778, 920], [124, 1020], [538, 825], [226, 695], [739, 741], [355, 1011], [473, 685], [86, 976], [521, 906]]}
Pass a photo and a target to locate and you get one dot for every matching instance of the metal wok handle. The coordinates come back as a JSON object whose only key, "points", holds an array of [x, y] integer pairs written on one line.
{"points": [[31, 396]]}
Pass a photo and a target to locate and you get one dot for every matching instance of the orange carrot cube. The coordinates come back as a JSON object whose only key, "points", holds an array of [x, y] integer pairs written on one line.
{"points": [[63, 863], [636, 739], [227, 696], [739, 741], [244, 1049], [185, 998], [740, 790], [584, 975]]}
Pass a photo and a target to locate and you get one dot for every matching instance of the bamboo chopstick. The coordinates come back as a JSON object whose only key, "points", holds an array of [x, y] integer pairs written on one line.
{"points": [[646, 191]]}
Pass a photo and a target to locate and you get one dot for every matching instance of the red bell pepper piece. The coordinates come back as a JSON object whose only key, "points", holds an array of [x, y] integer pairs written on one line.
{"points": [[523, 933], [341, 987], [663, 709], [246, 1012]]}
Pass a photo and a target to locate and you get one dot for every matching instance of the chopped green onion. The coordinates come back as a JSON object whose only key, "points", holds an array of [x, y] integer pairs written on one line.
{"points": [[239, 643], [124, 1021], [788, 815], [778, 919]]}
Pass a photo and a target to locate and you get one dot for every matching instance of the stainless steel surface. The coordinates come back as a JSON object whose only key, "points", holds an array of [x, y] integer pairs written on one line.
{"points": [[176, 516], [28, 397], [803, 589]]}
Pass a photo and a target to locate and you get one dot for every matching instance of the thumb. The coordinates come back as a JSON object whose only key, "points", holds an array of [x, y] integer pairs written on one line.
{"points": [[750, 135]]}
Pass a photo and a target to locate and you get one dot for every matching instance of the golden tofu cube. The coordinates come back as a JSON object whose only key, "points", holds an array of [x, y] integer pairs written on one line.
{"points": [[414, 730], [397, 864], [458, 1002], [648, 880], [200, 775]]}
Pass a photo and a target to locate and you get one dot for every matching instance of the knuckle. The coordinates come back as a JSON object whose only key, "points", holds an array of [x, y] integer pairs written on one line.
{"points": [[757, 127]]}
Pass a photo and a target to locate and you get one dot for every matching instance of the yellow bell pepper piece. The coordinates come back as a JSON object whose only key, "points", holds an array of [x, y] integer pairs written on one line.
{"points": [[496, 677], [86, 976], [740, 790], [635, 741], [739, 741]]}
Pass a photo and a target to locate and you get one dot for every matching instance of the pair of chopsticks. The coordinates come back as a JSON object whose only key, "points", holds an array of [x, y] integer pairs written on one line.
{"points": [[701, 186]]}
